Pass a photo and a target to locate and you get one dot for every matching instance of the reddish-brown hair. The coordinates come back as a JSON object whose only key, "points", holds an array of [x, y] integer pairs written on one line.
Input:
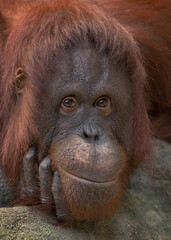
{"points": [[40, 30]]}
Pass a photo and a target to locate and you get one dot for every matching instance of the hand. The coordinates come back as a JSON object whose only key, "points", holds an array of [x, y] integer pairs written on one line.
{"points": [[39, 182]]}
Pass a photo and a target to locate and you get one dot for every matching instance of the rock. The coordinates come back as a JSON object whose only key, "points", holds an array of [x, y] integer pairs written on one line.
{"points": [[6, 193]]}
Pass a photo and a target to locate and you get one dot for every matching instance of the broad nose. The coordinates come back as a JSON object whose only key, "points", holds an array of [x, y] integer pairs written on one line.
{"points": [[92, 132]]}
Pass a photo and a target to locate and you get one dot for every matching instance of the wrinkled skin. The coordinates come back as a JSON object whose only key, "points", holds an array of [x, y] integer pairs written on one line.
{"points": [[85, 131]]}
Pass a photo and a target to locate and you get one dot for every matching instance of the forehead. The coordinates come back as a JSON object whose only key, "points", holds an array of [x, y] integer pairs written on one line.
{"points": [[83, 68], [81, 64]]}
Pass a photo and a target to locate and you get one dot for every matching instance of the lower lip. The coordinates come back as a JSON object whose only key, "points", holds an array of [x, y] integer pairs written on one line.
{"points": [[88, 181]]}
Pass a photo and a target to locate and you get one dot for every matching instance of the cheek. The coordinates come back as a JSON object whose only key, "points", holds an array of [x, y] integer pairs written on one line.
{"points": [[122, 128], [46, 123], [126, 131]]}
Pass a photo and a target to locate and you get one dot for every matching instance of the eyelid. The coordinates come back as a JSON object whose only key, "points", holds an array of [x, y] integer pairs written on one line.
{"points": [[102, 98], [70, 98], [65, 110]]}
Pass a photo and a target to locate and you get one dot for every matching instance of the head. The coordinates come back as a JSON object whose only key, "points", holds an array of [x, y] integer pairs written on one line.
{"points": [[84, 124], [72, 92]]}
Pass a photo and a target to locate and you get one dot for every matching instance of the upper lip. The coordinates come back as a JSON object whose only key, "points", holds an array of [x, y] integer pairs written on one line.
{"points": [[88, 179]]}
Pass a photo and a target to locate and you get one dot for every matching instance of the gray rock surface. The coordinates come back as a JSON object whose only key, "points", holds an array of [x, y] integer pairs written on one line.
{"points": [[144, 212], [6, 193]]}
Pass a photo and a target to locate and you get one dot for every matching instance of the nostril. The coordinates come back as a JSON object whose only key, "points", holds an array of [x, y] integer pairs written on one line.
{"points": [[96, 137], [86, 135], [91, 136], [91, 132]]}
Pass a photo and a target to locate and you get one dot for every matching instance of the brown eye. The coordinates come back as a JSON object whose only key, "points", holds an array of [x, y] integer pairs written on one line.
{"points": [[68, 105], [103, 103]]}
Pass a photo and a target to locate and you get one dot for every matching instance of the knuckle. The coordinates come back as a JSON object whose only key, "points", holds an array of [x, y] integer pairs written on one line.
{"points": [[45, 164], [30, 154]]}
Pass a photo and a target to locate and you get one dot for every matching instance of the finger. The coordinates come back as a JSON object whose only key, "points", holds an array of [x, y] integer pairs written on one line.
{"points": [[45, 176], [62, 209], [29, 173]]}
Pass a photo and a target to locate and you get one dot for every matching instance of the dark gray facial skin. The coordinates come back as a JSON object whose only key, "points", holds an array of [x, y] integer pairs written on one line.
{"points": [[86, 75], [86, 127]]}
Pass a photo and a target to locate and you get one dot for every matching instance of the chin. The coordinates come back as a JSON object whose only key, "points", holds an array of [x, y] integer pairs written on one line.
{"points": [[89, 200]]}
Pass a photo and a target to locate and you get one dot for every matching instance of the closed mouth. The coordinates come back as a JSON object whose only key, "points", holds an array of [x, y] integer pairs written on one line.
{"points": [[87, 180]]}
